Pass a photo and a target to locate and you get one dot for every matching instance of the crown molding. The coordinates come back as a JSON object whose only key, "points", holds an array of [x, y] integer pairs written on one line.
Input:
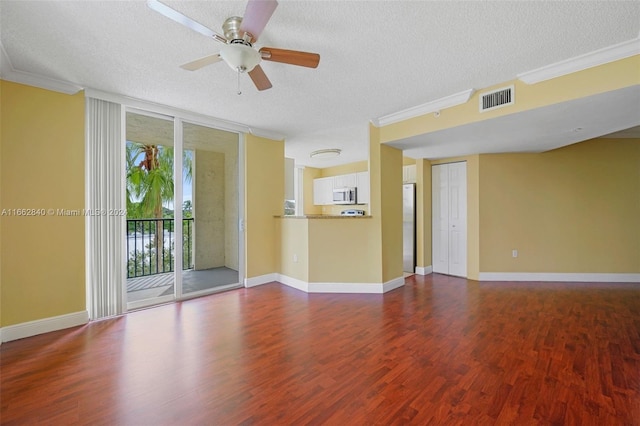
{"points": [[579, 63], [416, 111], [7, 72], [267, 134]]}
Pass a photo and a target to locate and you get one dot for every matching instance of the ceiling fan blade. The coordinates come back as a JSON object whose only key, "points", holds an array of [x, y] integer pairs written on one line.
{"points": [[256, 16], [259, 78], [178, 17], [293, 57], [202, 62]]}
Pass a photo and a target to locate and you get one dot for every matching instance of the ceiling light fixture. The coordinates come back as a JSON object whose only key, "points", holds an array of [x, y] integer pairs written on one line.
{"points": [[240, 57], [325, 153]]}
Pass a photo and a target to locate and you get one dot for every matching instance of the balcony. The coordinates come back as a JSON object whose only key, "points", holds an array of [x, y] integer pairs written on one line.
{"points": [[148, 256], [151, 262]]}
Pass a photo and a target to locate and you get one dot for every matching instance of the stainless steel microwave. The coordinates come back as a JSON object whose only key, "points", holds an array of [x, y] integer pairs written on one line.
{"points": [[344, 196]]}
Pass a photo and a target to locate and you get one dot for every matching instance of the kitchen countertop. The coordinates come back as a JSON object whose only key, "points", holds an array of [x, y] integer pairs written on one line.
{"points": [[323, 216]]}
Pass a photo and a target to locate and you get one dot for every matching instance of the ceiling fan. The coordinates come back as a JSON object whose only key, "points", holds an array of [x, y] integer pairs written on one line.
{"points": [[239, 36]]}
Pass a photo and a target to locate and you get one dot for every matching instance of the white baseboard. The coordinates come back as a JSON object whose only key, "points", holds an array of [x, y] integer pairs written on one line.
{"points": [[376, 288], [393, 284], [558, 276], [424, 270], [294, 283], [45, 325], [259, 280]]}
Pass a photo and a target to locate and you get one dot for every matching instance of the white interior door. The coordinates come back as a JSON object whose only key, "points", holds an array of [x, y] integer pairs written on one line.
{"points": [[449, 215], [440, 217], [458, 219]]}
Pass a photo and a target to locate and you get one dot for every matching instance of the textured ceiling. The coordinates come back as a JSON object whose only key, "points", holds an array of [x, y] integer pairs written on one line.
{"points": [[377, 58]]}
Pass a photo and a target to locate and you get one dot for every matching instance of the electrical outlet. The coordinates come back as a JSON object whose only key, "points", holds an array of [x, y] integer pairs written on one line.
{"points": [[514, 253], [295, 258]]}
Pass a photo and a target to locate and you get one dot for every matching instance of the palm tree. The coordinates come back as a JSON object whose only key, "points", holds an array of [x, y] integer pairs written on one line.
{"points": [[150, 183]]}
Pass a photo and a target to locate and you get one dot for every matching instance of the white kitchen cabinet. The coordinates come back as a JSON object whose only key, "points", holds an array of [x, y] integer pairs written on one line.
{"points": [[363, 188], [323, 191], [345, 181], [409, 174]]}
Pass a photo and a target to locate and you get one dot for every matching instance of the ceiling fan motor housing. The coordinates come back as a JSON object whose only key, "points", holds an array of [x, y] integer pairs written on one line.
{"points": [[231, 28]]}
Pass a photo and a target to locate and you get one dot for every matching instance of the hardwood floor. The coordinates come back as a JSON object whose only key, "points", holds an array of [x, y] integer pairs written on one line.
{"points": [[440, 350]]}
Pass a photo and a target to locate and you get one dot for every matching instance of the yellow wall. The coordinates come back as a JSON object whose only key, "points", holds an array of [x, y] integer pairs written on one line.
{"points": [[423, 213], [342, 250], [391, 199], [294, 242], [408, 161], [385, 173], [310, 173], [344, 169], [600, 79], [574, 209], [264, 181], [42, 257]]}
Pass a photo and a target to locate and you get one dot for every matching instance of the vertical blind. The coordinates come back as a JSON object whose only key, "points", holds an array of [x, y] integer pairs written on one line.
{"points": [[106, 208]]}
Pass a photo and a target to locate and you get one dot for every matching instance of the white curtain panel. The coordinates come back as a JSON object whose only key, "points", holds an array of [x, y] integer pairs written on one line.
{"points": [[105, 208]]}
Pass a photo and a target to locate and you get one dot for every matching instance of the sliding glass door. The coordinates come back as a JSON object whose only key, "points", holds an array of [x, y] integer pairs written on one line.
{"points": [[210, 209], [150, 193], [182, 228]]}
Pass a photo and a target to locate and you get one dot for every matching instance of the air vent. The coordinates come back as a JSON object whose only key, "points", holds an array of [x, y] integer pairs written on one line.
{"points": [[496, 99]]}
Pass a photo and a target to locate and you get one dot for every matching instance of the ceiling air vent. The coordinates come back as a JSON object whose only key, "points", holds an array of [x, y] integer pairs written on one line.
{"points": [[496, 99]]}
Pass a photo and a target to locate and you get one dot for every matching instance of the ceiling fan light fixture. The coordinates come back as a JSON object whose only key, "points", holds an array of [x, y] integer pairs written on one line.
{"points": [[240, 57], [325, 153]]}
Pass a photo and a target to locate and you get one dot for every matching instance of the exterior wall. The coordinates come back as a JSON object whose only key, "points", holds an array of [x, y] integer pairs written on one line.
{"points": [[42, 257], [573, 209], [209, 208]]}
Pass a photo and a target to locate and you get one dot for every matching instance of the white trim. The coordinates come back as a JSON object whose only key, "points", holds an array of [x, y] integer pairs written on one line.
{"points": [[294, 283], [424, 270], [7, 72], [416, 111], [559, 276], [241, 208], [579, 63], [45, 325], [363, 288], [259, 280], [145, 303], [393, 284]]}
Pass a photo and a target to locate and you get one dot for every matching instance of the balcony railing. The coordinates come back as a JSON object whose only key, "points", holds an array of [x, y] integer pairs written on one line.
{"points": [[148, 255]]}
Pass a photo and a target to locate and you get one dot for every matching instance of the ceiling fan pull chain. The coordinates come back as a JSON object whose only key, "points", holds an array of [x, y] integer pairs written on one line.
{"points": [[239, 92]]}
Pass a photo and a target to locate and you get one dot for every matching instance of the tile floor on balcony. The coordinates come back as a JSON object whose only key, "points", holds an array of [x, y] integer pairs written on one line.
{"points": [[151, 286]]}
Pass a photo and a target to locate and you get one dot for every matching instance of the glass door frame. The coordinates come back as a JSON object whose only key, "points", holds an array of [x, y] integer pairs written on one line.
{"points": [[178, 119]]}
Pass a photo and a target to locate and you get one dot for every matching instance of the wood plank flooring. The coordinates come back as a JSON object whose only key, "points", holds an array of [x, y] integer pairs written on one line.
{"points": [[440, 350]]}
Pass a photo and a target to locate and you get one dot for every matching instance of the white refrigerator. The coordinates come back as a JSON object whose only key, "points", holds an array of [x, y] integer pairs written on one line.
{"points": [[409, 227]]}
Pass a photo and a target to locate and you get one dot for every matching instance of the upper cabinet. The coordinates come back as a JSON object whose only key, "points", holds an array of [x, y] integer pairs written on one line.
{"points": [[409, 174], [362, 185], [323, 191], [323, 187], [345, 181]]}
